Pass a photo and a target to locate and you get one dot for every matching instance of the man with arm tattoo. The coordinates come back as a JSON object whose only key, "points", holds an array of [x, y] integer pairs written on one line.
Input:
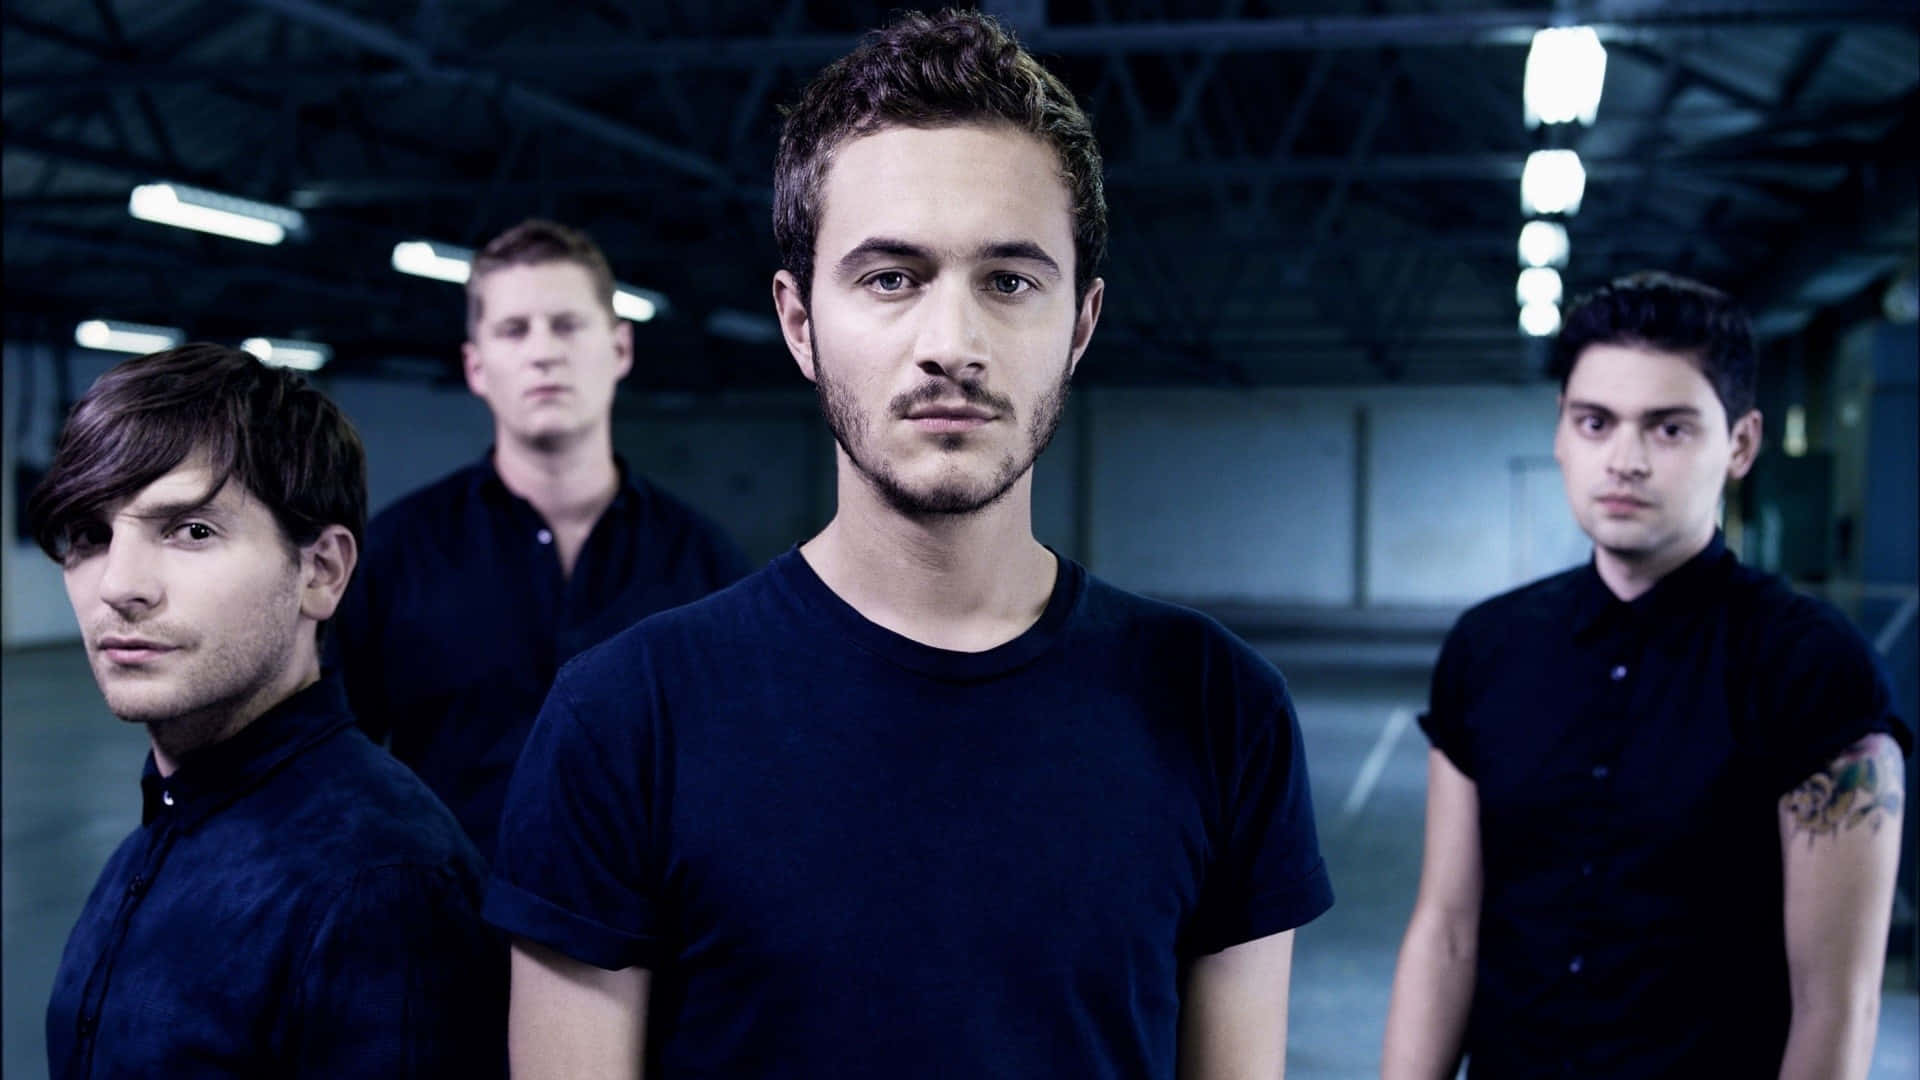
{"points": [[1665, 790]]}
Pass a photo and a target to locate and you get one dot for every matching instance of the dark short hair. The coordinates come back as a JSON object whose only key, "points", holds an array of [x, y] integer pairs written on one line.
{"points": [[267, 428], [535, 242], [926, 71], [1673, 314]]}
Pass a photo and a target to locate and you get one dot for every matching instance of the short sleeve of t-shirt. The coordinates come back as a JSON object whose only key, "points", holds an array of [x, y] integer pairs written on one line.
{"points": [[570, 869], [1819, 688], [1444, 721], [1268, 875]]}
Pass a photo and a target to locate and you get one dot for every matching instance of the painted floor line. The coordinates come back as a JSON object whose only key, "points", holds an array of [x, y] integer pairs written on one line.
{"points": [[1398, 721]]}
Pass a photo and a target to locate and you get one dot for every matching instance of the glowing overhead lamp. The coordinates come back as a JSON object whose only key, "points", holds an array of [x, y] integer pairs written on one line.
{"points": [[637, 304], [289, 353], [1538, 285], [1543, 243], [1566, 68], [112, 336], [209, 211], [430, 259], [1540, 319], [1552, 182]]}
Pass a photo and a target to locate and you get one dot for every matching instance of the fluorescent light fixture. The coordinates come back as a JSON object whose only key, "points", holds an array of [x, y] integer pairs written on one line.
{"points": [[111, 336], [1540, 319], [209, 211], [289, 353], [1543, 243], [1566, 68], [1795, 441], [637, 304], [1552, 182], [429, 259], [1538, 285], [746, 327]]}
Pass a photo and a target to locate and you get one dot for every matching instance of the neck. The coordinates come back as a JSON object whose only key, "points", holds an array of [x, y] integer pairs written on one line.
{"points": [[962, 582], [567, 482], [180, 737], [1629, 575]]}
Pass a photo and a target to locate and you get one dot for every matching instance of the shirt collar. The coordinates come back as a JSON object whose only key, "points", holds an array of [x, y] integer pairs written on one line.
{"points": [[629, 497], [214, 776], [1677, 592]]}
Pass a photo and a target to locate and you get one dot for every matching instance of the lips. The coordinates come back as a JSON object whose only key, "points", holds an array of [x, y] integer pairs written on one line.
{"points": [[131, 650], [1622, 503]]}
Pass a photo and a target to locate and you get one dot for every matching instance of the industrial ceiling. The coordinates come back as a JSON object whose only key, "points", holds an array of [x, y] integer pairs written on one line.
{"points": [[1300, 193]]}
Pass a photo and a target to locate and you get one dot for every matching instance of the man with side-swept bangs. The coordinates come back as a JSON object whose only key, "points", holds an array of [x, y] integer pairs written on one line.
{"points": [[295, 903], [921, 798]]}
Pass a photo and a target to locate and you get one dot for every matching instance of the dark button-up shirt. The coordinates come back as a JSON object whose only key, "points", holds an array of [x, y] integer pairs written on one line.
{"points": [[1629, 759], [459, 616], [295, 903]]}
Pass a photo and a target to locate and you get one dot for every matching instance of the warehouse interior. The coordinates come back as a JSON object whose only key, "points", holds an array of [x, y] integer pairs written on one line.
{"points": [[1314, 407]]}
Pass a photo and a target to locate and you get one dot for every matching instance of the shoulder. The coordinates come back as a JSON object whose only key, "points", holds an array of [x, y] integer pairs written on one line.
{"points": [[1549, 600], [731, 619], [425, 510], [364, 809], [692, 532], [1176, 641]]}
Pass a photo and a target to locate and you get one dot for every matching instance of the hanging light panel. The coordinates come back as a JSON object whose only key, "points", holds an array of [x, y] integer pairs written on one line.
{"points": [[1566, 68]]}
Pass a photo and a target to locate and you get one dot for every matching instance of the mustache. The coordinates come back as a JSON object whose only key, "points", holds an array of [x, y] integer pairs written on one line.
{"points": [[930, 392]]}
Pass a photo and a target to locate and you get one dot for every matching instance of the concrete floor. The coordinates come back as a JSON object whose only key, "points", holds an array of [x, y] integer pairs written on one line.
{"points": [[68, 794]]}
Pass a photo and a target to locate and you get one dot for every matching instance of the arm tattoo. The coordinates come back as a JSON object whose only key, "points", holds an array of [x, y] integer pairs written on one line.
{"points": [[1865, 784]]}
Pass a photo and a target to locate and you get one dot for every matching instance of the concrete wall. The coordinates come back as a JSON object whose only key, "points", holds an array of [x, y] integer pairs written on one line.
{"points": [[1379, 496]]}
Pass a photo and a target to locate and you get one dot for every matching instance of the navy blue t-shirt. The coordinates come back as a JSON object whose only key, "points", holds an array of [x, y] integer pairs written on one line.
{"points": [[843, 853]]}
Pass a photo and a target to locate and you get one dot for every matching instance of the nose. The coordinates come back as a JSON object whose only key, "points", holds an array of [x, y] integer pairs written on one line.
{"points": [[951, 339], [546, 348], [130, 581], [1627, 454]]}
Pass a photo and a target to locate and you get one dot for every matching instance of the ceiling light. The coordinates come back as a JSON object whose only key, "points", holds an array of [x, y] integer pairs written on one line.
{"points": [[639, 305], [1540, 319], [111, 336], [1543, 243], [1538, 285], [210, 211], [428, 259], [1552, 182], [289, 353], [1566, 68]]}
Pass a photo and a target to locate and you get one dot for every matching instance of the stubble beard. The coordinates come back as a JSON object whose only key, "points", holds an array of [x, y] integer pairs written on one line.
{"points": [[851, 430], [214, 695]]}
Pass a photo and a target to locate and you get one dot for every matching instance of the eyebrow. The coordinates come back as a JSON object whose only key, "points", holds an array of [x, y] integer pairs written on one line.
{"points": [[1025, 250], [1668, 412]]}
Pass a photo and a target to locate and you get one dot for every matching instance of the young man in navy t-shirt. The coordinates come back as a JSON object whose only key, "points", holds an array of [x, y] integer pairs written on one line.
{"points": [[921, 798]]}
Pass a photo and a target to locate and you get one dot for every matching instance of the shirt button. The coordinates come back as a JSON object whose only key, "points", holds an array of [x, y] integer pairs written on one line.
{"points": [[167, 797], [545, 536], [1574, 965], [137, 886], [1586, 869], [86, 1025], [1619, 672], [1600, 772]]}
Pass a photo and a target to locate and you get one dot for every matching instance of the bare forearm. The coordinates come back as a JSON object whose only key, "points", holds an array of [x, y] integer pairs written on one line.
{"points": [[1833, 1041], [1432, 995]]}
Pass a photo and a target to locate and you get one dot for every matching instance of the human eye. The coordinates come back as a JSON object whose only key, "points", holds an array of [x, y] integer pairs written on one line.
{"points": [[512, 328], [1673, 431], [1005, 283], [1590, 423], [192, 532], [887, 282]]}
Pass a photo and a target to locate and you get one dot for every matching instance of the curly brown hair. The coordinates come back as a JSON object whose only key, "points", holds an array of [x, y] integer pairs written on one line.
{"points": [[920, 70]]}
